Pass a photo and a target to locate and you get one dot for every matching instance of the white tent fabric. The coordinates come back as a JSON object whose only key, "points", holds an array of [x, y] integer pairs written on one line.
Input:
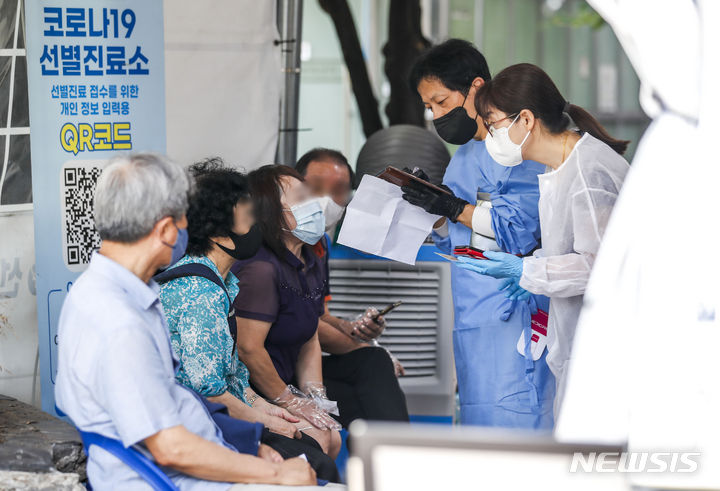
{"points": [[223, 81], [644, 367]]}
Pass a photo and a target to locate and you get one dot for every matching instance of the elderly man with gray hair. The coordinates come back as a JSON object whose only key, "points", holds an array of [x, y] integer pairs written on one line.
{"points": [[116, 373]]}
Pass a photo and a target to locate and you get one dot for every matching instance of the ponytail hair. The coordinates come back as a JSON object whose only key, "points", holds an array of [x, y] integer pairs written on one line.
{"points": [[526, 86]]}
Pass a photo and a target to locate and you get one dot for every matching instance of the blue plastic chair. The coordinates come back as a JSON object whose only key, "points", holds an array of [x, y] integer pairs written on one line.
{"points": [[131, 457]]}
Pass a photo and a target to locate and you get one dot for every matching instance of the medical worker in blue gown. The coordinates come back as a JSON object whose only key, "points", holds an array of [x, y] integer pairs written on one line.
{"points": [[493, 208]]}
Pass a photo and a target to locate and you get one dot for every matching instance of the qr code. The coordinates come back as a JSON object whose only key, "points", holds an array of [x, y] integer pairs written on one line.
{"points": [[80, 238]]}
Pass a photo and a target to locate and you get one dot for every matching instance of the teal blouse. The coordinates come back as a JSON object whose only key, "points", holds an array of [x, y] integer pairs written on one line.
{"points": [[196, 310]]}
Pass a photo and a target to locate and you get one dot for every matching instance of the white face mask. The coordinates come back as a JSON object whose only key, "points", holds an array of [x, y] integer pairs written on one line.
{"points": [[310, 221], [333, 212], [502, 149]]}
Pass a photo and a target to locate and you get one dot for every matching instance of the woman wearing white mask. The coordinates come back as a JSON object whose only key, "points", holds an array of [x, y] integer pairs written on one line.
{"points": [[281, 297], [528, 118]]}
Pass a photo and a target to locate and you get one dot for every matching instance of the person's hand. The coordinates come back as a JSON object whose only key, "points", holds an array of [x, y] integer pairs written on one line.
{"points": [[366, 326], [420, 174], [399, 369], [302, 406], [497, 265], [273, 410], [434, 202], [317, 392], [417, 172], [276, 419], [268, 453], [397, 366], [279, 425], [296, 472], [513, 290]]}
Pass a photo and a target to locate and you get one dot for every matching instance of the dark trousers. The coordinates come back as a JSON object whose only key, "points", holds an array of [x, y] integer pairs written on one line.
{"points": [[364, 384], [246, 436], [289, 447]]}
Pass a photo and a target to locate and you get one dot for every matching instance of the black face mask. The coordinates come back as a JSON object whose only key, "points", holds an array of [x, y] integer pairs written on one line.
{"points": [[456, 127], [246, 246]]}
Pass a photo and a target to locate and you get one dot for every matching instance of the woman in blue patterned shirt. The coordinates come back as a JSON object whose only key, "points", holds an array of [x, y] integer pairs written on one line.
{"points": [[220, 231]]}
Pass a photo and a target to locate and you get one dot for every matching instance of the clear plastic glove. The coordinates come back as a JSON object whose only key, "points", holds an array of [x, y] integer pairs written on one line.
{"points": [[399, 369], [513, 290], [366, 326], [304, 407], [317, 392], [497, 265]]}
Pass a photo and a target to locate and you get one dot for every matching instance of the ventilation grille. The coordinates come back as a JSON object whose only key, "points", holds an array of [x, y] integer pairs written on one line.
{"points": [[412, 328]]}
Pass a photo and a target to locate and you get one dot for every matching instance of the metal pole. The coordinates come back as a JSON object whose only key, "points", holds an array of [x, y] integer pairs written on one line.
{"points": [[289, 21]]}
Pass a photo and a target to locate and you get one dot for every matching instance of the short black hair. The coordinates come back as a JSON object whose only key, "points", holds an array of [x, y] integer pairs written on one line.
{"points": [[211, 210], [455, 63], [320, 154]]}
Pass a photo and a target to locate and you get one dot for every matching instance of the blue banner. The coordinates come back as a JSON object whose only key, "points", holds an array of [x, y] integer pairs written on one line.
{"points": [[96, 80]]}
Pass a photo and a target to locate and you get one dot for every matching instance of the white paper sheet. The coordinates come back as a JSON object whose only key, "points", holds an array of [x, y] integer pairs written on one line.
{"points": [[378, 221]]}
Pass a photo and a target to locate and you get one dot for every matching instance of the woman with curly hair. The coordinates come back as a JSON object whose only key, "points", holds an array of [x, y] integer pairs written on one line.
{"points": [[197, 294]]}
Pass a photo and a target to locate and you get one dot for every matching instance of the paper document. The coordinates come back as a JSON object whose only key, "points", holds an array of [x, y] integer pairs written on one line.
{"points": [[378, 221]]}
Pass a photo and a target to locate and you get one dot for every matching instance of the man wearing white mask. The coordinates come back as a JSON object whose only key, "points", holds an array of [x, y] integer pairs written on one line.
{"points": [[330, 178], [358, 374]]}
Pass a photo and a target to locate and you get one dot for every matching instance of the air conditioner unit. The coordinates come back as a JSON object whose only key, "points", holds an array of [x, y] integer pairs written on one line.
{"points": [[418, 333]]}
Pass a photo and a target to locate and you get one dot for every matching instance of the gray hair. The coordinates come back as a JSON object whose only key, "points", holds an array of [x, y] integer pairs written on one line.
{"points": [[135, 191]]}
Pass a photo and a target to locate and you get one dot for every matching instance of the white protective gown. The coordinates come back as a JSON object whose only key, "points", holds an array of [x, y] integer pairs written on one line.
{"points": [[576, 201], [645, 361]]}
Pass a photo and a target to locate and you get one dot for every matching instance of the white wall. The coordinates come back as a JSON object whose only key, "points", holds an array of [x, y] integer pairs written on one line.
{"points": [[18, 308]]}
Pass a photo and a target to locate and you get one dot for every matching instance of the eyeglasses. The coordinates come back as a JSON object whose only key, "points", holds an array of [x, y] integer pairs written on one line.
{"points": [[490, 126]]}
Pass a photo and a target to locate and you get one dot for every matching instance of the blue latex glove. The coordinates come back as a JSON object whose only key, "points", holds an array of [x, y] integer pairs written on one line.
{"points": [[513, 290], [497, 265]]}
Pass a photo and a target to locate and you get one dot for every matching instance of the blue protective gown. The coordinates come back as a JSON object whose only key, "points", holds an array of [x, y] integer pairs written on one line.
{"points": [[496, 384]]}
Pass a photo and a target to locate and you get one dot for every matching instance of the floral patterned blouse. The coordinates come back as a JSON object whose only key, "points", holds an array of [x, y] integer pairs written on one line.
{"points": [[196, 310]]}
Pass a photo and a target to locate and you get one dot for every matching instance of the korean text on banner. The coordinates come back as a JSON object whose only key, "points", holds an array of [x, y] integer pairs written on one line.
{"points": [[96, 84]]}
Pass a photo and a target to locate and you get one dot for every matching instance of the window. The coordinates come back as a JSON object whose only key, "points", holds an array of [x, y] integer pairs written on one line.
{"points": [[15, 178]]}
